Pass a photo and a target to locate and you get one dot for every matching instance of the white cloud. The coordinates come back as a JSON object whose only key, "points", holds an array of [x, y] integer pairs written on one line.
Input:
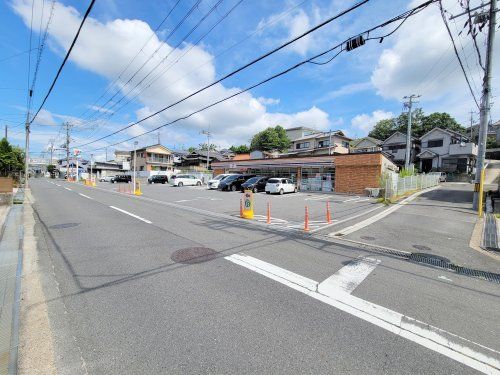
{"points": [[346, 90], [101, 45], [268, 101], [365, 122]]}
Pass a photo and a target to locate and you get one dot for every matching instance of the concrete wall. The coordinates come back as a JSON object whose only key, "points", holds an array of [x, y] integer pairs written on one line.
{"points": [[356, 172]]}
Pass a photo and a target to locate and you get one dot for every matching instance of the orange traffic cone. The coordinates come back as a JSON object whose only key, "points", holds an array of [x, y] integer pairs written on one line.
{"points": [[268, 219], [328, 216], [306, 220]]}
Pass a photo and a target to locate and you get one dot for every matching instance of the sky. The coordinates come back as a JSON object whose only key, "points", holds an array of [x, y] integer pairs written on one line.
{"points": [[134, 58]]}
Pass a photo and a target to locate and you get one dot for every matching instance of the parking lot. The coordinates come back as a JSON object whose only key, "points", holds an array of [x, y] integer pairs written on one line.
{"points": [[286, 210]]}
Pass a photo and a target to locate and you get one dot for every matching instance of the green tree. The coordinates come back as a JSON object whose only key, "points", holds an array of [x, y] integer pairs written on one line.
{"points": [[271, 139], [440, 120], [383, 129], [203, 147], [191, 149], [11, 158], [241, 149]]}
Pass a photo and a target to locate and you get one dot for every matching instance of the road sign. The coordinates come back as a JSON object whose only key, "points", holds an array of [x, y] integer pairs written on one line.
{"points": [[76, 152], [248, 204]]}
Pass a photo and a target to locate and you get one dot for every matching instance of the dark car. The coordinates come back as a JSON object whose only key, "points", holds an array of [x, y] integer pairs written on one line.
{"points": [[158, 179], [233, 183], [256, 184], [121, 178]]}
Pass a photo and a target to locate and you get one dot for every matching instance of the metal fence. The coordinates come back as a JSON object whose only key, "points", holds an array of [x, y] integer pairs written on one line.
{"points": [[397, 186]]}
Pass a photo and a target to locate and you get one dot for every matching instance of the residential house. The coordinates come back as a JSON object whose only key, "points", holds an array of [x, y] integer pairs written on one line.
{"points": [[178, 156], [228, 154], [299, 132], [153, 158], [448, 151], [121, 156], [366, 144], [319, 144], [395, 146], [198, 159]]}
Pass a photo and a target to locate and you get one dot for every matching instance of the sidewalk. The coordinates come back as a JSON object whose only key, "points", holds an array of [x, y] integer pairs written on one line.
{"points": [[438, 223]]}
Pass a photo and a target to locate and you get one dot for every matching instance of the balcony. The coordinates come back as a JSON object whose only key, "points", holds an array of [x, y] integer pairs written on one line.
{"points": [[153, 160], [463, 149]]}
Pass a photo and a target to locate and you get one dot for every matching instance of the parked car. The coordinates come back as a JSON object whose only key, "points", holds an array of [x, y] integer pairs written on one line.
{"points": [[185, 179], [106, 178], [214, 182], [280, 186], [121, 178], [442, 177], [158, 179], [256, 184], [233, 183]]}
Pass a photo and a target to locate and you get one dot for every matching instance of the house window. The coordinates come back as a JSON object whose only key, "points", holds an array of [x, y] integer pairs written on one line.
{"points": [[345, 144], [435, 143], [324, 143], [299, 146], [141, 168]]}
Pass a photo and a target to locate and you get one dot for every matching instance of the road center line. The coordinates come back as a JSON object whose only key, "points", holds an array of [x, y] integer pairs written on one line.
{"points": [[85, 196], [348, 277], [460, 349], [131, 214], [67, 188]]}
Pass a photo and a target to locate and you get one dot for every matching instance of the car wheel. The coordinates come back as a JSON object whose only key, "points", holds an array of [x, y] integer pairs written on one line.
{"points": [[268, 192], [254, 190], [180, 184], [233, 188], [281, 192], [163, 183], [294, 190], [198, 183]]}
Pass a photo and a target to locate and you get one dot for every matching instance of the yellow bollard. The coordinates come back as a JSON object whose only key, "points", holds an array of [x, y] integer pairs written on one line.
{"points": [[137, 190], [248, 204]]}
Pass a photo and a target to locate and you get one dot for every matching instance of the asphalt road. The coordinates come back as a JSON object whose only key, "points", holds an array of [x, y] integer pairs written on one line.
{"points": [[131, 300]]}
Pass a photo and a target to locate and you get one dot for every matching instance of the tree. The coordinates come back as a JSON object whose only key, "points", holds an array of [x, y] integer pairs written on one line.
{"points": [[191, 149], [203, 147], [11, 158], [271, 139], [440, 120], [241, 149], [383, 129]]}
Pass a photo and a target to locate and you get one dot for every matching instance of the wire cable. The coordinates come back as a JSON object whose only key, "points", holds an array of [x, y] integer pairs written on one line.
{"points": [[65, 59], [234, 72], [281, 73]]}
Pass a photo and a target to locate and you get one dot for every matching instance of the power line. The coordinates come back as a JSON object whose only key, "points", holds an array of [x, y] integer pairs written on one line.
{"points": [[402, 16], [65, 59], [443, 16], [17, 54], [254, 61]]}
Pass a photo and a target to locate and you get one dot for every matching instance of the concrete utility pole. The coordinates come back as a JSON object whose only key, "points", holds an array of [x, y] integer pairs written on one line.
{"points": [[484, 112], [51, 150], [135, 162], [91, 162], [408, 130], [27, 151], [208, 134], [67, 149], [106, 153], [471, 123]]}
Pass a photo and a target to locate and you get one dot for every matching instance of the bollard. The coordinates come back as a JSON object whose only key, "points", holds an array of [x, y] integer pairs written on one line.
{"points": [[137, 190], [328, 216], [306, 220], [241, 207], [268, 219]]}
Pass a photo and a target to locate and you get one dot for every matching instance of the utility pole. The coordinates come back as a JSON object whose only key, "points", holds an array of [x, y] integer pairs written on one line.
{"points": [[135, 162], [51, 150], [106, 153], [208, 134], [471, 123], [409, 104], [67, 149], [159, 142], [484, 112], [27, 151]]}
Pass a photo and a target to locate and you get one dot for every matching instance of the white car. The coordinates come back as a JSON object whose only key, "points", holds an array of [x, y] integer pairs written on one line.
{"points": [[442, 177], [106, 178], [185, 180], [280, 186], [214, 182]]}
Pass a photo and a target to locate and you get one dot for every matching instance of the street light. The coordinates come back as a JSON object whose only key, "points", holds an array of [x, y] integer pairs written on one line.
{"points": [[135, 160]]}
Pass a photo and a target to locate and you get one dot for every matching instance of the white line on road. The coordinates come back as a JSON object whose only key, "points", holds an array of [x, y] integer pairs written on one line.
{"points": [[67, 188], [85, 196], [460, 349], [58, 185], [348, 277], [377, 217], [131, 214], [352, 199]]}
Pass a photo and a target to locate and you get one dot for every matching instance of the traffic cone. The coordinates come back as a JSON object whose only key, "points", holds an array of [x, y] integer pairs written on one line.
{"points": [[328, 216], [268, 219], [306, 220], [241, 207]]}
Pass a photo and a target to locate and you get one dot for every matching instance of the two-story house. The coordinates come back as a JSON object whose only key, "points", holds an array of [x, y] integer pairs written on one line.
{"points": [[323, 143], [153, 158], [366, 144], [448, 151], [299, 132], [395, 146]]}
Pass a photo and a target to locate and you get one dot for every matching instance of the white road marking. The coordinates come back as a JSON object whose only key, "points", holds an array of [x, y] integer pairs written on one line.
{"points": [[377, 217], [131, 214], [85, 196], [67, 188], [470, 353], [352, 199], [335, 222], [444, 278], [318, 198], [58, 185], [348, 277]]}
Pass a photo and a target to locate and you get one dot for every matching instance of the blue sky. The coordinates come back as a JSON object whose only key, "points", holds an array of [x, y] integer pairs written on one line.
{"points": [[351, 93]]}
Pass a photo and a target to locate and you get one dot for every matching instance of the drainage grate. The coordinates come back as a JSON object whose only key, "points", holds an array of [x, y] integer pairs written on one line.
{"points": [[192, 255], [422, 247], [64, 225], [430, 256]]}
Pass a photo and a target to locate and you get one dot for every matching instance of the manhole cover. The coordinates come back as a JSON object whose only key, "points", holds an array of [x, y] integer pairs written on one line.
{"points": [[193, 255], [422, 247], [64, 225], [369, 238], [429, 256]]}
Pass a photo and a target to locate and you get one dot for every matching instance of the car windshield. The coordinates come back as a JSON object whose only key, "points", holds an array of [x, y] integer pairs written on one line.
{"points": [[219, 177], [231, 178], [253, 180], [273, 180]]}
